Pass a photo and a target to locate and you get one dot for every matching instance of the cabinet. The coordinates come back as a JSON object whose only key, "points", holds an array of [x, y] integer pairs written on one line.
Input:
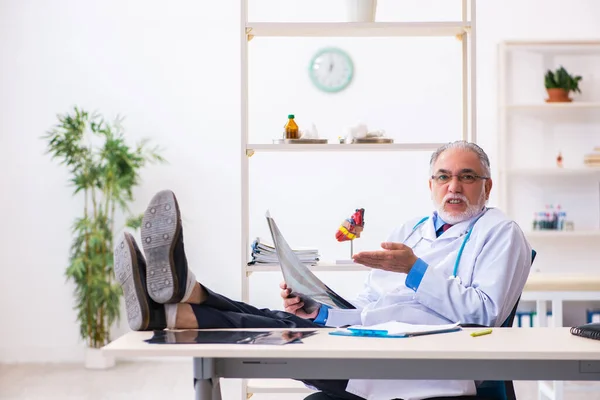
{"points": [[532, 133], [461, 33]]}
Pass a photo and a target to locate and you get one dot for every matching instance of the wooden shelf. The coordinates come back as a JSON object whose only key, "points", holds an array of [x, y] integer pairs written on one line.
{"points": [[574, 105], [562, 47], [320, 267], [345, 147], [555, 172], [563, 282], [562, 234], [356, 29]]}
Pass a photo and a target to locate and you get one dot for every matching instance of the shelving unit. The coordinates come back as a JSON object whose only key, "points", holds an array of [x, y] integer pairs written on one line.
{"points": [[531, 134], [463, 30]]}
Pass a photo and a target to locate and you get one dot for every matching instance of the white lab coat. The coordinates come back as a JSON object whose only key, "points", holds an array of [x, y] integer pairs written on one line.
{"points": [[493, 268]]}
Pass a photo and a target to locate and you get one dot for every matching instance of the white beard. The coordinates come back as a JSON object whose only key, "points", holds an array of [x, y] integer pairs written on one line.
{"points": [[471, 211]]}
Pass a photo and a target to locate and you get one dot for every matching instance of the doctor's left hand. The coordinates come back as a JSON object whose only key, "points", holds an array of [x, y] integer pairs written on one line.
{"points": [[395, 257]]}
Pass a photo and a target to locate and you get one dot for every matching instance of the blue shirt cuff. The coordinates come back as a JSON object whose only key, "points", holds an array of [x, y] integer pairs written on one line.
{"points": [[415, 275], [321, 317]]}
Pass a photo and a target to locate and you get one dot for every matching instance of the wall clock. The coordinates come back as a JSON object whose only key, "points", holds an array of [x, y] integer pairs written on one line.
{"points": [[331, 70]]}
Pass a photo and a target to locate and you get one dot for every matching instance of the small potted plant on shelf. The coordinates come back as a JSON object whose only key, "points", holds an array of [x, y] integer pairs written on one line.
{"points": [[559, 84]]}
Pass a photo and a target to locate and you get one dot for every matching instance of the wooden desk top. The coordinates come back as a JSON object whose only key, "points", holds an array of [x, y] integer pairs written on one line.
{"points": [[502, 344]]}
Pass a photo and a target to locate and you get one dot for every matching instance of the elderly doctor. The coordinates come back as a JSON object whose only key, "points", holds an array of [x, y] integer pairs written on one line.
{"points": [[464, 263]]}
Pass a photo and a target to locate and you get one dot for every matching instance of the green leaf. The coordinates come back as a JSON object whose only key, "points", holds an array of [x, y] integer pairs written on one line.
{"points": [[561, 79], [134, 222]]}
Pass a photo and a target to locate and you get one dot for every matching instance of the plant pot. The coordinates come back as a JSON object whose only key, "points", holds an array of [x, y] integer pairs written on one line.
{"points": [[558, 96], [96, 359], [361, 10]]}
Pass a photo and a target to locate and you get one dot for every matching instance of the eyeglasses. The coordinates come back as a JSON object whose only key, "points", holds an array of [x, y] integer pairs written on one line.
{"points": [[442, 179]]}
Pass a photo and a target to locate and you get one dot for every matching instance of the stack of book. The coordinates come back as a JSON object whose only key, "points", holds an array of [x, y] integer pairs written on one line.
{"points": [[593, 159], [265, 253]]}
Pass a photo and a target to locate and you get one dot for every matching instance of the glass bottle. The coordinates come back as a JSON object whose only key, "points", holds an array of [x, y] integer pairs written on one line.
{"points": [[291, 129]]}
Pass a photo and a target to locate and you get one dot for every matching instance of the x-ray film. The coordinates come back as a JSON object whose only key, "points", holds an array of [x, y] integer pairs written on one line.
{"points": [[300, 279]]}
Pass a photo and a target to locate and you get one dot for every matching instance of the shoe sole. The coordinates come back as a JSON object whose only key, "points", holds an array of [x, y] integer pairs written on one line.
{"points": [[160, 229], [127, 274]]}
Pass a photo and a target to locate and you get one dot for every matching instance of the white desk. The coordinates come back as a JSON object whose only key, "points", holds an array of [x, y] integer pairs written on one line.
{"points": [[558, 288], [506, 354]]}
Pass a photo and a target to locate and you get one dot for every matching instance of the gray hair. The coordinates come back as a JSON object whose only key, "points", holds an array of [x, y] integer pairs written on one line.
{"points": [[463, 145]]}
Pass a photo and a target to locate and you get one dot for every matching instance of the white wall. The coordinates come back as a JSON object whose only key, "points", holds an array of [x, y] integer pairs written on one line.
{"points": [[174, 73], [154, 64]]}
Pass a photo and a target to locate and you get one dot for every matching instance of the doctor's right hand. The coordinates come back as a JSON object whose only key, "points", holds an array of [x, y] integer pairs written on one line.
{"points": [[294, 305]]}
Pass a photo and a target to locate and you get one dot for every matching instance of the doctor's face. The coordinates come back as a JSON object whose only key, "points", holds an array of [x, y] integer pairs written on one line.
{"points": [[457, 190]]}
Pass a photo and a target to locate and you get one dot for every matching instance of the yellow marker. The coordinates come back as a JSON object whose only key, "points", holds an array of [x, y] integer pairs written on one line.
{"points": [[481, 333]]}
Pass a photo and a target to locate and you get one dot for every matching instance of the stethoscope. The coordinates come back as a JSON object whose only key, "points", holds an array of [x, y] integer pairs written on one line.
{"points": [[462, 246]]}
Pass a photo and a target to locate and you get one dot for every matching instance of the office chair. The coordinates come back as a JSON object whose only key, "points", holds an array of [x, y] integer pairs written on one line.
{"points": [[487, 390]]}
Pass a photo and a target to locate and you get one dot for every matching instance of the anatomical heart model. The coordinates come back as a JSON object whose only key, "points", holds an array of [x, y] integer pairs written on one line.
{"points": [[351, 228]]}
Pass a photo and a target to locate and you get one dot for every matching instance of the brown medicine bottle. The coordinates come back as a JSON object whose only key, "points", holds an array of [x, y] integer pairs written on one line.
{"points": [[291, 129]]}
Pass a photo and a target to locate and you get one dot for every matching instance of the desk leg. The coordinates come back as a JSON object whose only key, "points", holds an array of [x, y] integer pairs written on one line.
{"points": [[206, 383]]}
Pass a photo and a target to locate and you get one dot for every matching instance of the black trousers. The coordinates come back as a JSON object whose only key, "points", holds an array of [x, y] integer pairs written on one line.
{"points": [[218, 311]]}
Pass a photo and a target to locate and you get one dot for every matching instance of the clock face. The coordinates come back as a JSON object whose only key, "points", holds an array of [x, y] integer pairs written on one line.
{"points": [[331, 70]]}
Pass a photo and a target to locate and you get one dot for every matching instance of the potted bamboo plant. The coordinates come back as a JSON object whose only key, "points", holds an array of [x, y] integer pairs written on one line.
{"points": [[559, 84], [104, 170]]}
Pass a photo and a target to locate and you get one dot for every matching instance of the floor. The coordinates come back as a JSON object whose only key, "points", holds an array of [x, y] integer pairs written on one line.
{"points": [[152, 379]]}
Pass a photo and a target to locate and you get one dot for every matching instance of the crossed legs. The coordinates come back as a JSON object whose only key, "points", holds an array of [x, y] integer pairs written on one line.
{"points": [[162, 292]]}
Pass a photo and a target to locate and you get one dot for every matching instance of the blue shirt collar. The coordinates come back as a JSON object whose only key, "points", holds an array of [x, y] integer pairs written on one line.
{"points": [[437, 221]]}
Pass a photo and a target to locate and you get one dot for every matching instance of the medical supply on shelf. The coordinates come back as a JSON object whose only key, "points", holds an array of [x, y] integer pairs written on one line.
{"points": [[291, 129], [550, 219]]}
